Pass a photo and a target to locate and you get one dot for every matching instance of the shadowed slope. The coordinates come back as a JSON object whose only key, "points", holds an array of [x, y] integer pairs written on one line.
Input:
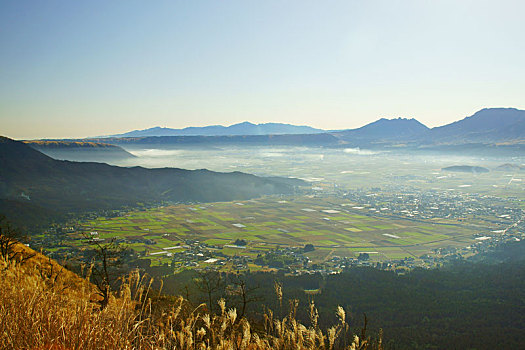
{"points": [[29, 176]]}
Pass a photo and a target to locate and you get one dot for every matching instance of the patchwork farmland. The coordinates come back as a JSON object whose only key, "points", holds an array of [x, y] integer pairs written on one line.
{"points": [[334, 226]]}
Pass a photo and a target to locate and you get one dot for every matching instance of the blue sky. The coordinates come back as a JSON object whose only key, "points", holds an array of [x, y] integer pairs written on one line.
{"points": [[85, 68]]}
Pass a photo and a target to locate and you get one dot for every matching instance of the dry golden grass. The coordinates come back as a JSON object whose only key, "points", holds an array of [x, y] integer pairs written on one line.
{"points": [[41, 308]]}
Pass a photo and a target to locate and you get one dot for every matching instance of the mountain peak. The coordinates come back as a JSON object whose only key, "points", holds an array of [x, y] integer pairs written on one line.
{"points": [[384, 128], [496, 109], [485, 124], [246, 123], [398, 120], [396, 125], [500, 113]]}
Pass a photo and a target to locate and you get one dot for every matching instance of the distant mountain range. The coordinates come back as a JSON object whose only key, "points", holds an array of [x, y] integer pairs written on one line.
{"points": [[32, 183], [245, 128], [490, 131], [486, 125]]}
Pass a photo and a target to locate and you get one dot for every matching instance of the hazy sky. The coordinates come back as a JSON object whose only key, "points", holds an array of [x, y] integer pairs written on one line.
{"points": [[85, 68]]}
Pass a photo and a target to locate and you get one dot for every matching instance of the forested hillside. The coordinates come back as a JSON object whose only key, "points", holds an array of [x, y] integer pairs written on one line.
{"points": [[461, 306]]}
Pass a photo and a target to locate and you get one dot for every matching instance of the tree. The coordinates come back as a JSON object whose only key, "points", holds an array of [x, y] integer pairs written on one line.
{"points": [[10, 237], [208, 282], [363, 257], [244, 293], [240, 242], [106, 260], [50, 273], [308, 248]]}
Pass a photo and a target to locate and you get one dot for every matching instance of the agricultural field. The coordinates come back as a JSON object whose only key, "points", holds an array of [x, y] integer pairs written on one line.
{"points": [[334, 226], [358, 201]]}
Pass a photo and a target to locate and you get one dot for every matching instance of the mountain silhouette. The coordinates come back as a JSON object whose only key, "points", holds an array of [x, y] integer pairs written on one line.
{"points": [[386, 129], [245, 128], [486, 125]]}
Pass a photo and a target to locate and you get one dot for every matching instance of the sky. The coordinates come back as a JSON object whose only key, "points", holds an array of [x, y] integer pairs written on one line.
{"points": [[87, 68]]}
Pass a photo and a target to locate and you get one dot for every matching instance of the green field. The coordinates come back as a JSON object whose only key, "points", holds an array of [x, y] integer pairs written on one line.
{"points": [[328, 223]]}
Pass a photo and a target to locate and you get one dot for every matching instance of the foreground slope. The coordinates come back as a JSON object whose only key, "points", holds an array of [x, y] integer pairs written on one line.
{"points": [[30, 177], [45, 307]]}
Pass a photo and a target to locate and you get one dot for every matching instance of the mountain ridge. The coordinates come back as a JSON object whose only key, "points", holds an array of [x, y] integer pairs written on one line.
{"points": [[487, 124], [81, 151], [27, 176], [244, 128], [497, 130]]}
